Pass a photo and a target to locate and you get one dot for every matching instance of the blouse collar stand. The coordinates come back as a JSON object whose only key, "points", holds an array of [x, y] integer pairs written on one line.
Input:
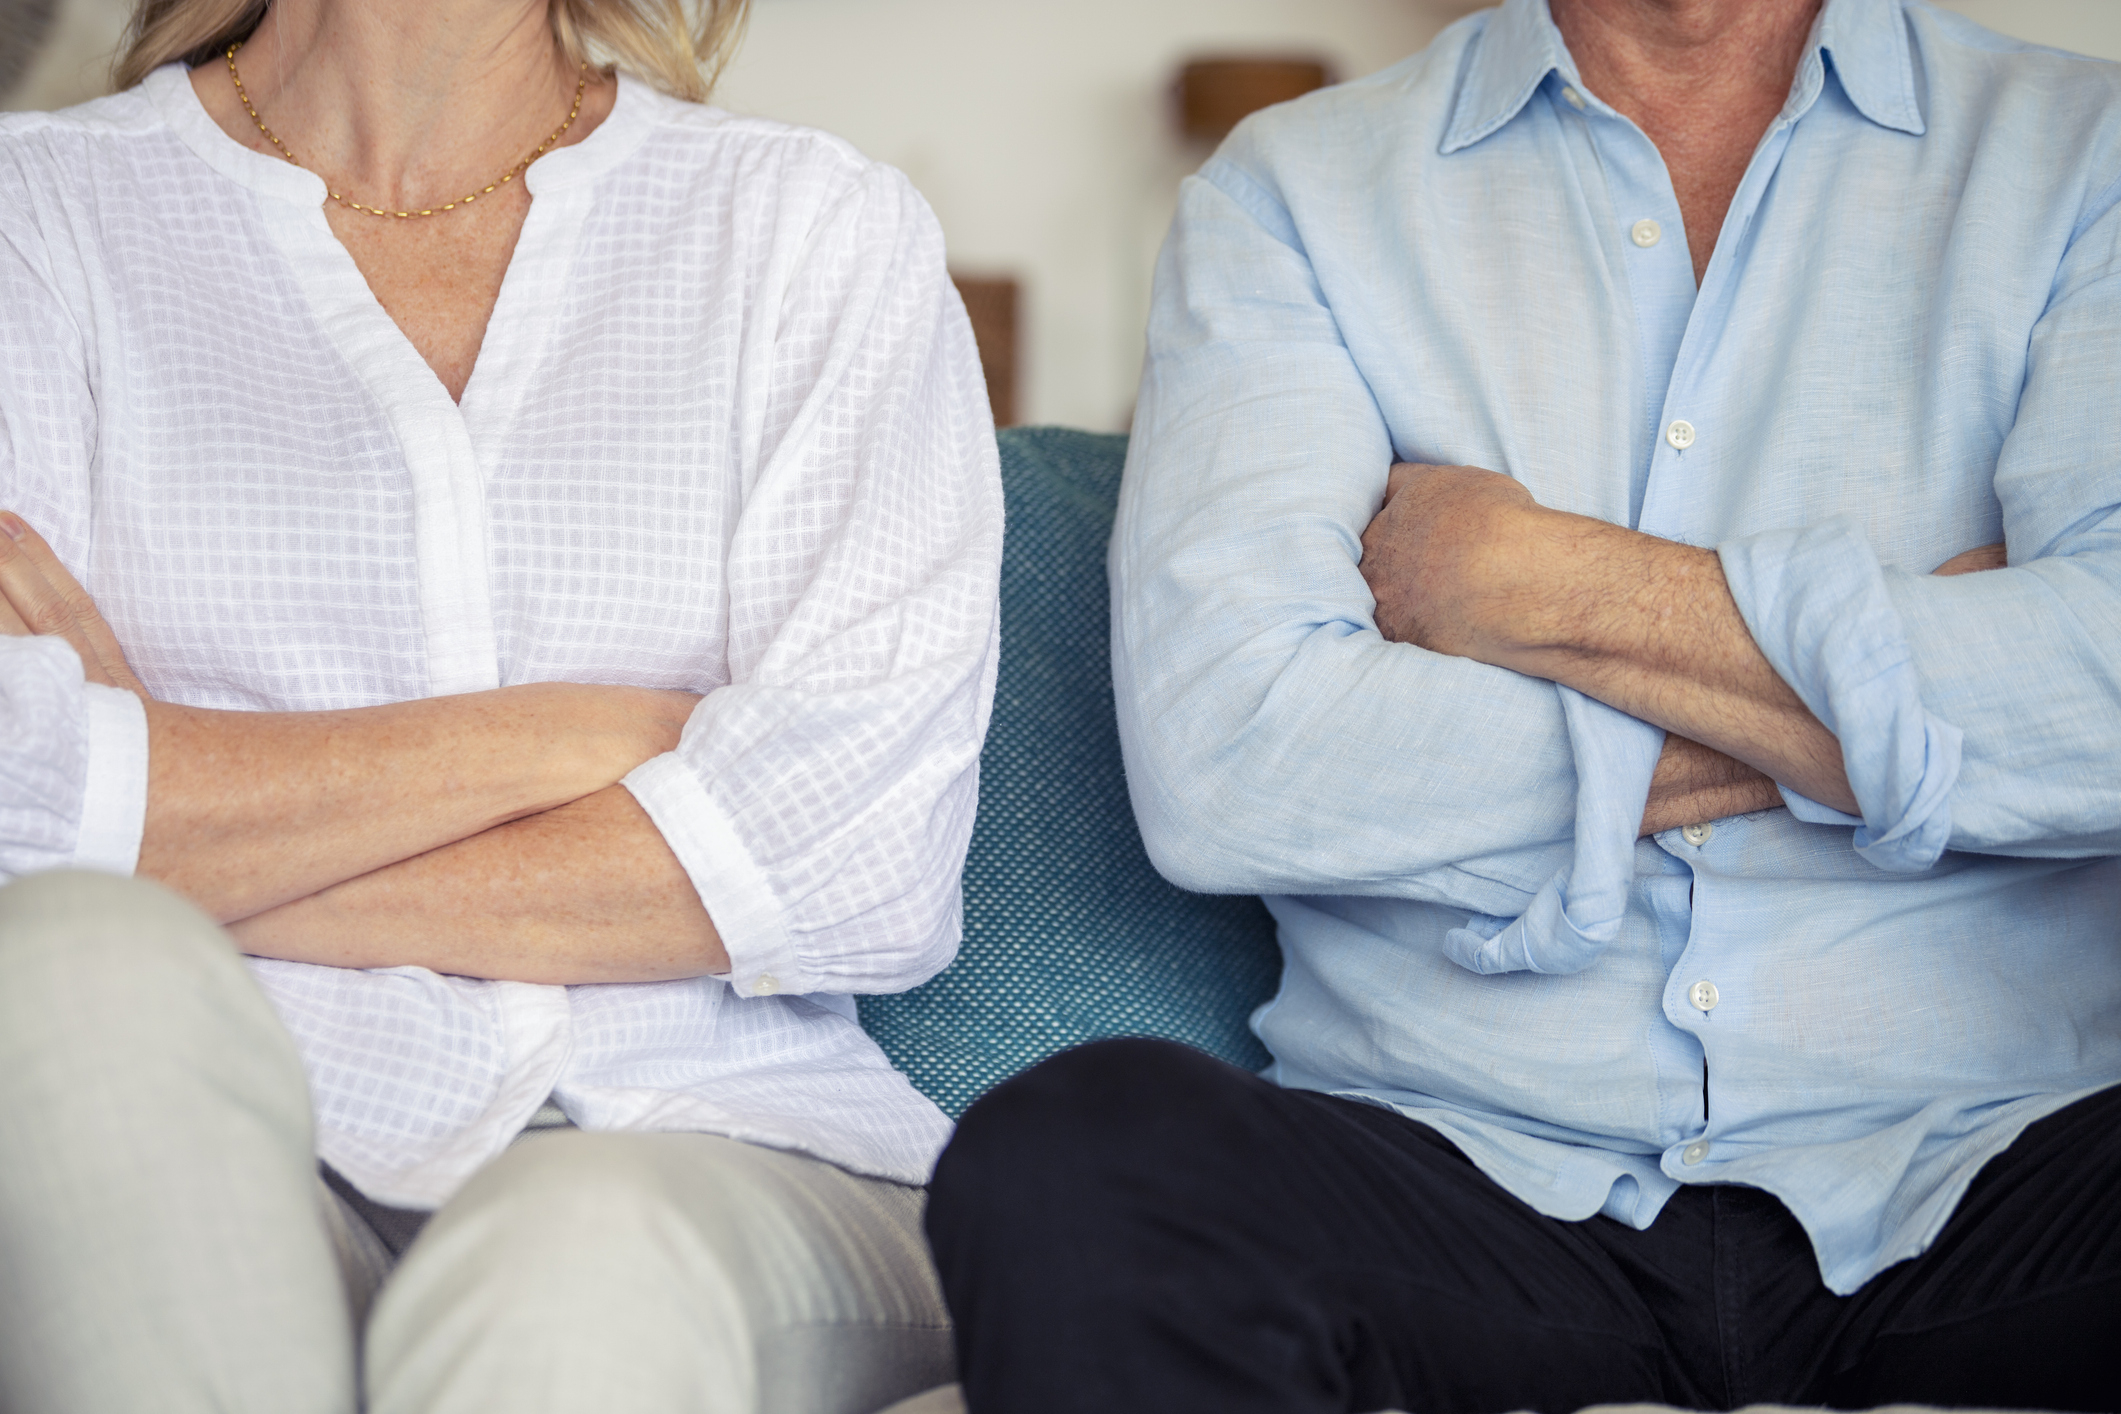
{"points": [[169, 89]]}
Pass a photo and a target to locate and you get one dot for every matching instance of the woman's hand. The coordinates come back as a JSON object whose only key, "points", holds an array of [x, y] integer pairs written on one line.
{"points": [[248, 810], [39, 598]]}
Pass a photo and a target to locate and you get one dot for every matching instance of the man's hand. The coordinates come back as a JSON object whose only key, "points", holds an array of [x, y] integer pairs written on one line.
{"points": [[1986, 557], [1693, 783], [38, 597], [1435, 555]]}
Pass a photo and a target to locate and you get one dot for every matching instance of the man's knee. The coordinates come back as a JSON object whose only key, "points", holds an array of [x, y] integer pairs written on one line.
{"points": [[1063, 1142]]}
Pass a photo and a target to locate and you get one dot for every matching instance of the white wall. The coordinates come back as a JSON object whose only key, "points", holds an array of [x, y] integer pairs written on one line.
{"points": [[74, 62], [1037, 128], [1039, 133], [2085, 26]]}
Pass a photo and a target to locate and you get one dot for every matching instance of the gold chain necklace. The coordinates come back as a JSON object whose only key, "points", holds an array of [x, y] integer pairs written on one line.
{"points": [[513, 172]]}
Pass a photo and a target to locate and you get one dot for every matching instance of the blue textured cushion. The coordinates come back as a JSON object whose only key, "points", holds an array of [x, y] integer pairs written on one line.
{"points": [[1070, 934]]}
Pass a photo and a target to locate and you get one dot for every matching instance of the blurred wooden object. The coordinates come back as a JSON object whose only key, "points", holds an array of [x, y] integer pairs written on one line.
{"points": [[1214, 95], [24, 27], [992, 303]]}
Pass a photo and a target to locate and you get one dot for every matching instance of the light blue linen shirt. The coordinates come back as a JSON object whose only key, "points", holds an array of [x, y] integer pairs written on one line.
{"points": [[1907, 344]]}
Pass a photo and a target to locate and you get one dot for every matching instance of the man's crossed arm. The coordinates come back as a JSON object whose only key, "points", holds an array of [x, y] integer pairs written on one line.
{"points": [[483, 834], [1463, 561]]}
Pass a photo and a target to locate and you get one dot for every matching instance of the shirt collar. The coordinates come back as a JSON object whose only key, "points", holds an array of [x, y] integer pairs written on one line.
{"points": [[1867, 40]]}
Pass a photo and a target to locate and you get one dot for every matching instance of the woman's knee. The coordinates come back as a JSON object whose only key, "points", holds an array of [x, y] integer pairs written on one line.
{"points": [[706, 1208], [105, 968], [559, 1216], [685, 1260]]}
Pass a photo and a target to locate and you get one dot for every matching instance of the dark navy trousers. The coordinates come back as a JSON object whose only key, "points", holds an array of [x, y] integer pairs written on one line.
{"points": [[1134, 1226]]}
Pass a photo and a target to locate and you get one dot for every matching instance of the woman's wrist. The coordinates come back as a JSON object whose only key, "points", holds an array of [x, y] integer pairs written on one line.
{"points": [[582, 737]]}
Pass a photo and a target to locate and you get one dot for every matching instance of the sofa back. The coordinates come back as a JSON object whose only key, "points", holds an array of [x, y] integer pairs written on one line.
{"points": [[1070, 934]]}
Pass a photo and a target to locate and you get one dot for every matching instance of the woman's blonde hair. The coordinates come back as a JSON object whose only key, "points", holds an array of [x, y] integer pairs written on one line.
{"points": [[654, 40]]}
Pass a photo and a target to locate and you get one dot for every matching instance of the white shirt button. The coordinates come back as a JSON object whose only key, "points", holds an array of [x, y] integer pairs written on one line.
{"points": [[765, 985], [1680, 434], [1575, 99], [1697, 835], [1704, 996], [1645, 233], [1695, 1152]]}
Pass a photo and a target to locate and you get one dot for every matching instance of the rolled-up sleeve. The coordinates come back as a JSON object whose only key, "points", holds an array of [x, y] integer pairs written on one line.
{"points": [[73, 754], [822, 800], [1275, 741], [1979, 712], [73, 765]]}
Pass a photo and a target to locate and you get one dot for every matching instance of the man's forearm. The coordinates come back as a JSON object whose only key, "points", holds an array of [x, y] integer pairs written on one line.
{"points": [[1695, 783], [1649, 626], [250, 810], [588, 892], [1463, 561]]}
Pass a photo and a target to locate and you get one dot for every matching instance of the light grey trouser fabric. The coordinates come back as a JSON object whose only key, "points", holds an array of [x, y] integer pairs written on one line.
{"points": [[166, 1244]]}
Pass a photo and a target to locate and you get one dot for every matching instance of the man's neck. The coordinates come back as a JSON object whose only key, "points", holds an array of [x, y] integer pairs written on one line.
{"points": [[1703, 79]]}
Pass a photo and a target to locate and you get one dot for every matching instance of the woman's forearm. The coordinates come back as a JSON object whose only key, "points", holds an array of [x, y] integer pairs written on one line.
{"points": [[587, 892], [247, 811]]}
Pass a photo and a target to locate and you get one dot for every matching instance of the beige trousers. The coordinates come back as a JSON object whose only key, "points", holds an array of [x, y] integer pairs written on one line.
{"points": [[166, 1243]]}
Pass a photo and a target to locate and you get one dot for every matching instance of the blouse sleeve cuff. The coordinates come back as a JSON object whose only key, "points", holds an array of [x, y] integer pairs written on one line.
{"points": [[1816, 602], [747, 917], [114, 794]]}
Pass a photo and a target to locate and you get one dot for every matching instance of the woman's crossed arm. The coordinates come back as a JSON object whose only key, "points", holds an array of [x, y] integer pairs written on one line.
{"points": [[483, 833]]}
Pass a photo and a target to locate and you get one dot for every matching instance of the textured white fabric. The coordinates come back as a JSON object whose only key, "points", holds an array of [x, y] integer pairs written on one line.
{"points": [[727, 434], [114, 790]]}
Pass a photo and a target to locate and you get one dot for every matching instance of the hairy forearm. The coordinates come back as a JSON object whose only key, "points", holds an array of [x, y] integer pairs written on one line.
{"points": [[1695, 783], [1649, 626], [587, 892], [248, 811], [1463, 561]]}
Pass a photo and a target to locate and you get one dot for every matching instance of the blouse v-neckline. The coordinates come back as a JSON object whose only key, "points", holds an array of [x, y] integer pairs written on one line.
{"points": [[339, 292], [446, 444]]}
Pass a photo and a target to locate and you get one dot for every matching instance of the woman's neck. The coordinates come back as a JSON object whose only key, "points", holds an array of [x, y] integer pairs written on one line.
{"points": [[402, 103]]}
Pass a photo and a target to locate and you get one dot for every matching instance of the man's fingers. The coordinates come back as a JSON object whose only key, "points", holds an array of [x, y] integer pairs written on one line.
{"points": [[1987, 557]]}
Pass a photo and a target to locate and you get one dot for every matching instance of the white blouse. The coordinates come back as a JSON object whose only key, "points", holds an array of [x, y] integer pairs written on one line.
{"points": [[727, 434]]}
